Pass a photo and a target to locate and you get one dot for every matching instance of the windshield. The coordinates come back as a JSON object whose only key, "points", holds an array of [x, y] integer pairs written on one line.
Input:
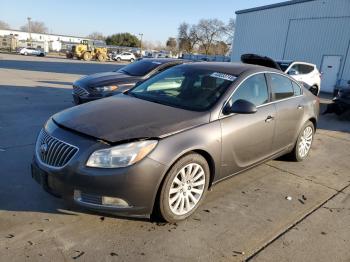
{"points": [[139, 68], [184, 87], [284, 65]]}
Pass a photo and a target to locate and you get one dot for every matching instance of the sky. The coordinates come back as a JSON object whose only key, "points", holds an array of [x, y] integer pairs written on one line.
{"points": [[155, 19]]}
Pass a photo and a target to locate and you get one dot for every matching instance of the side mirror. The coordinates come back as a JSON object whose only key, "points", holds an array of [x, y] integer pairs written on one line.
{"points": [[240, 107]]}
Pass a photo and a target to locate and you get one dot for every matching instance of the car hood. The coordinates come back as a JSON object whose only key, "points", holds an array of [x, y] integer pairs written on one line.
{"points": [[122, 117], [105, 78]]}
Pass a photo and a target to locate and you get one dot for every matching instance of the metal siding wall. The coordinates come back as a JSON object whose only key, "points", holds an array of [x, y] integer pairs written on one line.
{"points": [[265, 32], [321, 36]]}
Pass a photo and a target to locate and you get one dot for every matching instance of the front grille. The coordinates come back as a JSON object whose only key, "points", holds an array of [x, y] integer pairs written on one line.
{"points": [[91, 199], [53, 151], [80, 91]]}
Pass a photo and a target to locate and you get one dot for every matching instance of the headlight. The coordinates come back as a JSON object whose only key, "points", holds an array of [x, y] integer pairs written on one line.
{"points": [[105, 88], [122, 155]]}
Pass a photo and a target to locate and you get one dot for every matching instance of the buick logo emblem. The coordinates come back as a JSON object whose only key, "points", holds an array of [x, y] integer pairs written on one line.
{"points": [[43, 149]]}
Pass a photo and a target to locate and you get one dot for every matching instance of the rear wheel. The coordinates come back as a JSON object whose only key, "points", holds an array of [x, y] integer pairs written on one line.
{"points": [[184, 188], [132, 60], [87, 56], [304, 142]]}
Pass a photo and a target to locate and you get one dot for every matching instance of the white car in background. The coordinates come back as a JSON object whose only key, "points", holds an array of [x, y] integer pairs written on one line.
{"points": [[31, 51], [303, 72], [125, 56]]}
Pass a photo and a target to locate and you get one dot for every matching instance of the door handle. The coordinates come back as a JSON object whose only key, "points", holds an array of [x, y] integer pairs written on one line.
{"points": [[300, 107], [269, 119]]}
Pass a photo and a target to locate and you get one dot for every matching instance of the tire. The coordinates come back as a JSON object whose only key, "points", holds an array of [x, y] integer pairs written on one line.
{"points": [[87, 56], [314, 90], [307, 135], [172, 206], [25, 53], [132, 60], [119, 59], [101, 58]]}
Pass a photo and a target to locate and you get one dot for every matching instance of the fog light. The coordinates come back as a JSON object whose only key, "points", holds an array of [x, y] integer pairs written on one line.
{"points": [[114, 201]]}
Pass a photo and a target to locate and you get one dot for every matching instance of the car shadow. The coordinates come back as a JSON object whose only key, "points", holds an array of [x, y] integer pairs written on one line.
{"points": [[23, 112], [79, 68]]}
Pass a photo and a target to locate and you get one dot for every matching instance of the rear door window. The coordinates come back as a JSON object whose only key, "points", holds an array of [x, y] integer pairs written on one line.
{"points": [[305, 69], [281, 87]]}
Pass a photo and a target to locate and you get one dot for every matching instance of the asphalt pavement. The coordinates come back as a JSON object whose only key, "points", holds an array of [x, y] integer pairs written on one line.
{"points": [[278, 211]]}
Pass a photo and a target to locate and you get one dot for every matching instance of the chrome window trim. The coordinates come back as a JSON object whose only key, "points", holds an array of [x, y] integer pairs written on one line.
{"points": [[222, 116], [49, 166]]}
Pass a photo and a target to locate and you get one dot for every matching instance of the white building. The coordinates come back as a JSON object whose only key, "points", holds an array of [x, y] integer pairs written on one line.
{"points": [[315, 31], [50, 41]]}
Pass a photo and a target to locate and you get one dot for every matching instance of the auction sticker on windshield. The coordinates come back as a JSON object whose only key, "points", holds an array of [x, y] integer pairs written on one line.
{"points": [[223, 76]]}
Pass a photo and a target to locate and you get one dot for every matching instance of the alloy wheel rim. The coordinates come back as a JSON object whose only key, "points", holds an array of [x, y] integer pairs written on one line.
{"points": [[186, 189], [305, 142]]}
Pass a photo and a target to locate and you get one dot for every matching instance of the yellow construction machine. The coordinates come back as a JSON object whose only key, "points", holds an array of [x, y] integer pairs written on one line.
{"points": [[87, 50]]}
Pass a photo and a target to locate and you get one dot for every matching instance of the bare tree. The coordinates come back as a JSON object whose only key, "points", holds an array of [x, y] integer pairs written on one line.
{"points": [[221, 48], [4, 25], [209, 32], [148, 45], [230, 30], [171, 44], [96, 36], [187, 37], [35, 26]]}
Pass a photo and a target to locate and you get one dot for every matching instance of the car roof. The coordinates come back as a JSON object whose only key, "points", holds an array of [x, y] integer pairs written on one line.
{"points": [[235, 69], [285, 61], [293, 61], [164, 60]]}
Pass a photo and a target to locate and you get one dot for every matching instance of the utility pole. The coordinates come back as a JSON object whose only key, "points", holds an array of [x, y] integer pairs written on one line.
{"points": [[141, 43], [30, 30]]}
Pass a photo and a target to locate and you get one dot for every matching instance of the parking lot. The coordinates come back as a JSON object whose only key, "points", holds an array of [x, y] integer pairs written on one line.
{"points": [[278, 211]]}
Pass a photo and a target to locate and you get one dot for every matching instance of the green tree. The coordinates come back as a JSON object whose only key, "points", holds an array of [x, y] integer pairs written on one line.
{"points": [[123, 39]]}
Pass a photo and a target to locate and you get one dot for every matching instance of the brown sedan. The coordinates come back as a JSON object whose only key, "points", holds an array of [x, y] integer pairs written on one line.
{"points": [[157, 148]]}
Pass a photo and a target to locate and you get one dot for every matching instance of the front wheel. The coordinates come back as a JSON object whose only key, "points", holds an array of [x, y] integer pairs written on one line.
{"points": [[184, 188], [119, 59], [304, 142], [101, 58], [132, 60], [87, 56]]}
